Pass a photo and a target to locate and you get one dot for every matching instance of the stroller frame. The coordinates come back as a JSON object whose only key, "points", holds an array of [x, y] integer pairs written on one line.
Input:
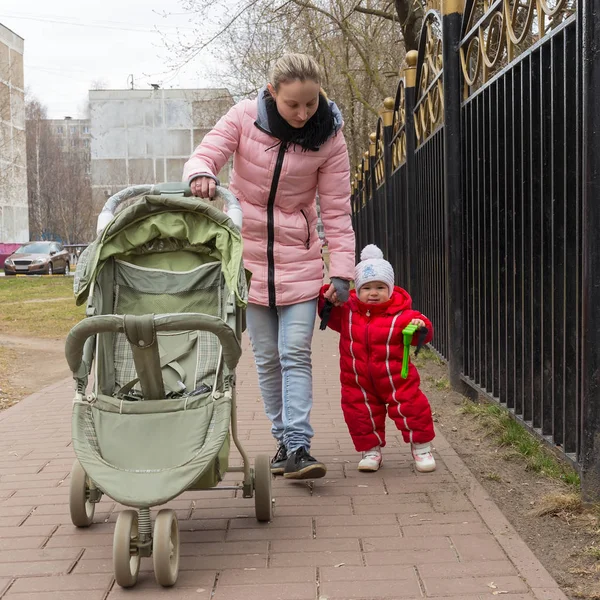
{"points": [[134, 536]]}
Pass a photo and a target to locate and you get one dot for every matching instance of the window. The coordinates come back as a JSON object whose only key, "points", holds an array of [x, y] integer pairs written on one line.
{"points": [[86, 129], [73, 143], [59, 130], [86, 143]]}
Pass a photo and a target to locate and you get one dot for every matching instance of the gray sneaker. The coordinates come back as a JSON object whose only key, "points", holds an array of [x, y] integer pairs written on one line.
{"points": [[301, 465], [279, 460]]}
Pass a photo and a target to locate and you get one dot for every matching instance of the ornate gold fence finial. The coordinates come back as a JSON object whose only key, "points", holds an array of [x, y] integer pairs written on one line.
{"points": [[410, 71], [366, 161], [372, 146], [387, 113]]}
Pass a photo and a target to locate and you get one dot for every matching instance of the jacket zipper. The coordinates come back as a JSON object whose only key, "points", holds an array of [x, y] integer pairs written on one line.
{"points": [[271, 224], [307, 243], [369, 351]]}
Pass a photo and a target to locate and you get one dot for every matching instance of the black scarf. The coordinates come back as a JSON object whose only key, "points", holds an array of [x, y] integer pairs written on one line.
{"points": [[317, 130]]}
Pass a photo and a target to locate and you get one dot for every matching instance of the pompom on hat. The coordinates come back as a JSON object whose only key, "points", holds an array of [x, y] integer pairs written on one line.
{"points": [[373, 267]]}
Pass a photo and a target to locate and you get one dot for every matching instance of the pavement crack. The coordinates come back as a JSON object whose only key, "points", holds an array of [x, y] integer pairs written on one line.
{"points": [[42, 468], [74, 563], [385, 488], [453, 547], [27, 516], [318, 582], [109, 590], [49, 537], [420, 582], [213, 591], [7, 588]]}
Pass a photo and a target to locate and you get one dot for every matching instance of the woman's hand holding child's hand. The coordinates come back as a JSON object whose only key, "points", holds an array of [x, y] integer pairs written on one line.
{"points": [[338, 291]]}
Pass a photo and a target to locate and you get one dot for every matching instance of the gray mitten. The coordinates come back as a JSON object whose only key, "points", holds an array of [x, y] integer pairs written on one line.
{"points": [[342, 288]]}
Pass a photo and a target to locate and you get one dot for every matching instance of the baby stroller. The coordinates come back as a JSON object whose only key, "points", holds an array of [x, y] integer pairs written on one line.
{"points": [[165, 292]]}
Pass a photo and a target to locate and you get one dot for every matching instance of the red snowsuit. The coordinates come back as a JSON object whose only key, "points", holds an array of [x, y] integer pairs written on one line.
{"points": [[371, 350]]}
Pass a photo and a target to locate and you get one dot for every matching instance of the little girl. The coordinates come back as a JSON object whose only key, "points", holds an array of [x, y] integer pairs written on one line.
{"points": [[371, 351]]}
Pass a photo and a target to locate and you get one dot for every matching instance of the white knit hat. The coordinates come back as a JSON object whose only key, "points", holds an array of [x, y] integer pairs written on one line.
{"points": [[373, 267]]}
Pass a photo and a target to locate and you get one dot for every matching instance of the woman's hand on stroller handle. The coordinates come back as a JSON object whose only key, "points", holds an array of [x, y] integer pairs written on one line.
{"points": [[203, 187], [234, 210]]}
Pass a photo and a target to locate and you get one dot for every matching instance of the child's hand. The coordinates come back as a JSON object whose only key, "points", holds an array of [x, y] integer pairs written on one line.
{"points": [[332, 296], [418, 322]]}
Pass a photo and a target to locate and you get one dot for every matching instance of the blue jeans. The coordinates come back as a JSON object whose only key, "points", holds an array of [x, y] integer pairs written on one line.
{"points": [[281, 340]]}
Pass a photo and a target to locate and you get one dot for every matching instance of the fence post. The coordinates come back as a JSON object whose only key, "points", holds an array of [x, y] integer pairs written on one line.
{"points": [[453, 199], [362, 209], [387, 117], [410, 81], [369, 198], [354, 211], [590, 363], [376, 216]]}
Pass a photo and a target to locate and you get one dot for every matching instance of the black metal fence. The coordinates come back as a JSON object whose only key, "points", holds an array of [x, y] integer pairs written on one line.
{"points": [[482, 186]]}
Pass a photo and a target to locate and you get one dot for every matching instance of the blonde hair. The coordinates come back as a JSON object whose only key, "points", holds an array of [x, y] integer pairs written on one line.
{"points": [[291, 67]]}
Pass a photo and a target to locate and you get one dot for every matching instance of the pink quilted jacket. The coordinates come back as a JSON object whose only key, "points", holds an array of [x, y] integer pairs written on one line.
{"points": [[281, 244]]}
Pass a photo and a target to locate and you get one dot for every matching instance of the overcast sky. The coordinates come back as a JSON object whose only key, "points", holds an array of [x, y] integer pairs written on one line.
{"points": [[71, 43]]}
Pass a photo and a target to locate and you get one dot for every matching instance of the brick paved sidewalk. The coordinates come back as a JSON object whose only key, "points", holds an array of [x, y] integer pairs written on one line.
{"points": [[394, 534]]}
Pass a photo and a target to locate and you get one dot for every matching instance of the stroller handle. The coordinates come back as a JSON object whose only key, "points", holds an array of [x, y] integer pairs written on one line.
{"points": [[78, 335], [234, 210]]}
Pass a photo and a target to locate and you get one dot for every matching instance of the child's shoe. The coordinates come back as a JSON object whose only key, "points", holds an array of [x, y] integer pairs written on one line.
{"points": [[371, 460], [424, 461]]}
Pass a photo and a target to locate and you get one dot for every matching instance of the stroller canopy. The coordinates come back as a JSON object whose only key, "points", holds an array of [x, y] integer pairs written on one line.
{"points": [[163, 224]]}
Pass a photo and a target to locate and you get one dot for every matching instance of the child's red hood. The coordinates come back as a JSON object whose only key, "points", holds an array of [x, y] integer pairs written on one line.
{"points": [[400, 300]]}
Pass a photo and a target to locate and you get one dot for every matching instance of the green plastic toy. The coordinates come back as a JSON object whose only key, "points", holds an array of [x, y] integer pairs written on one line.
{"points": [[407, 333]]}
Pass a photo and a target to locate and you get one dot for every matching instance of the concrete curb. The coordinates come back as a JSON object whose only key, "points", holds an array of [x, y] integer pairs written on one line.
{"points": [[528, 566]]}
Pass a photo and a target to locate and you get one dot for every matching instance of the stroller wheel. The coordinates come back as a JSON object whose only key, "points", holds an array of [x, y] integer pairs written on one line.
{"points": [[263, 500], [82, 510], [126, 557], [165, 548]]}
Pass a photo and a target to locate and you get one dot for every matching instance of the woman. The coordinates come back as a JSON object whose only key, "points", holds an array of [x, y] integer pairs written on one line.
{"points": [[287, 145]]}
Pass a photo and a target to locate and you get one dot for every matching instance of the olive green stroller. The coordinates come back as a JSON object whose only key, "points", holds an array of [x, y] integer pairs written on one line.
{"points": [[165, 293]]}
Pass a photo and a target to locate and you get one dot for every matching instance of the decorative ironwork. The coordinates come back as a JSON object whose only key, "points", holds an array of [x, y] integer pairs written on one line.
{"points": [[360, 183], [377, 139], [398, 127], [429, 107], [495, 34], [487, 207]]}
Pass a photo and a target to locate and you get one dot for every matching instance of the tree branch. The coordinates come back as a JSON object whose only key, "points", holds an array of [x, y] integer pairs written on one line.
{"points": [[376, 13], [351, 38]]}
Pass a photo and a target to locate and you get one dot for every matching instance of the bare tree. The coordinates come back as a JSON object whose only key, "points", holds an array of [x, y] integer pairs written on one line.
{"points": [[407, 13], [59, 190], [99, 84], [360, 44]]}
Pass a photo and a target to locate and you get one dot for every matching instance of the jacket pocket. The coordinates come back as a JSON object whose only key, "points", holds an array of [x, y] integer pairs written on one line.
{"points": [[307, 242]]}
